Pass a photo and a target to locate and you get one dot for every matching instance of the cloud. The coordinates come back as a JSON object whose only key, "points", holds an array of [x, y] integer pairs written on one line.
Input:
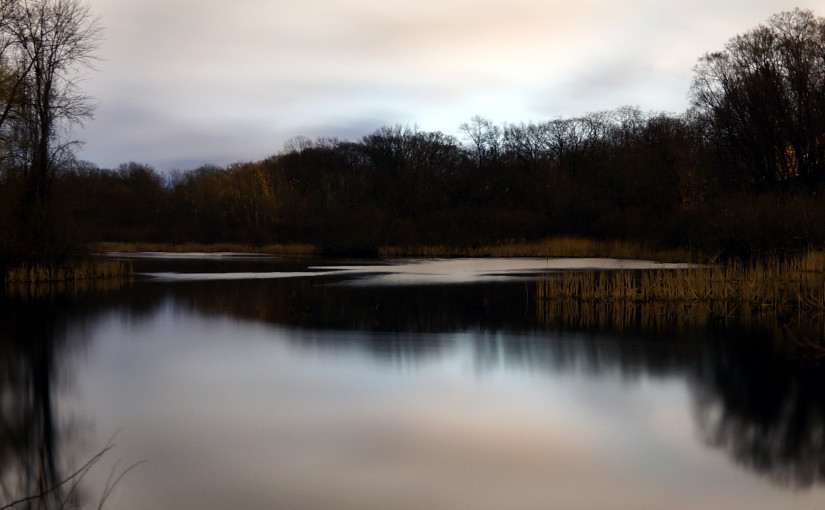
{"points": [[251, 75]]}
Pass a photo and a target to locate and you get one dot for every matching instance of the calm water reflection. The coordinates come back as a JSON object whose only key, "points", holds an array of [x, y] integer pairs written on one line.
{"points": [[311, 392]]}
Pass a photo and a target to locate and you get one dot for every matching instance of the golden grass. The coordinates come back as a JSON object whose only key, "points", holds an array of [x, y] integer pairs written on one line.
{"points": [[813, 261], [767, 284], [41, 290], [293, 249], [92, 269], [800, 332], [619, 316], [552, 247]]}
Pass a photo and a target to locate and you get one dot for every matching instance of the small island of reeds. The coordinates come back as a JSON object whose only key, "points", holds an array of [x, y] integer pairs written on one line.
{"points": [[797, 282]]}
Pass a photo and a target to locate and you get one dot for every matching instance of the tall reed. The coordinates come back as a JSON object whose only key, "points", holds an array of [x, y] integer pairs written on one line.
{"points": [[813, 261], [39, 290], [800, 332], [92, 269], [771, 283]]}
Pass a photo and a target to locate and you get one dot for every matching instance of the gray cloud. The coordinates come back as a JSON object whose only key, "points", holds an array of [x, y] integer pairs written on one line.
{"points": [[192, 81]]}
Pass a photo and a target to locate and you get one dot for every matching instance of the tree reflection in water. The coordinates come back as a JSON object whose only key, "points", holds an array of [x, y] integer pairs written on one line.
{"points": [[30, 346], [34, 472], [766, 410], [754, 396], [757, 381], [758, 388]]}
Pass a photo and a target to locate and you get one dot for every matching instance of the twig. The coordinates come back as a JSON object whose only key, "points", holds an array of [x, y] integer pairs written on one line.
{"points": [[79, 473]]}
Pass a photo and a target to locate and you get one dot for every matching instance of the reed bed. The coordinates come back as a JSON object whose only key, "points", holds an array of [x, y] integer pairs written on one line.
{"points": [[813, 261], [93, 269], [292, 249], [797, 331], [552, 247], [76, 288], [768, 284], [656, 317]]}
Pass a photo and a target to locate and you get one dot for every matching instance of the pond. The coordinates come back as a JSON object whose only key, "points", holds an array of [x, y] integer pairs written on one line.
{"points": [[246, 381]]}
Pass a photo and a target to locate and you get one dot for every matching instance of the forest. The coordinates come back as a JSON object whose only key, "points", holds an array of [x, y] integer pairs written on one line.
{"points": [[741, 173]]}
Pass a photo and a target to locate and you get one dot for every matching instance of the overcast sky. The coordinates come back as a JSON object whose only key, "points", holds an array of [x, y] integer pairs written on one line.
{"points": [[188, 82]]}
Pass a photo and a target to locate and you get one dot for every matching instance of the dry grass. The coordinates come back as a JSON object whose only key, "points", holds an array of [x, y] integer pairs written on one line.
{"points": [[767, 284], [93, 269], [657, 317], [65, 288], [553, 247], [292, 249], [813, 261], [799, 332]]}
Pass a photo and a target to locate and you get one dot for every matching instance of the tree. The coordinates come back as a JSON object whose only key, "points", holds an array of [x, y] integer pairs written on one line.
{"points": [[484, 140], [297, 144], [49, 41], [53, 39], [763, 101]]}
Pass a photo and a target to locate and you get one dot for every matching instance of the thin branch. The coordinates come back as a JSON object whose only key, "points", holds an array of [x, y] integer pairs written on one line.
{"points": [[110, 485], [78, 474]]}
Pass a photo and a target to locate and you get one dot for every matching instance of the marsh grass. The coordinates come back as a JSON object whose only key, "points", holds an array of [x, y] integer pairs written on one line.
{"points": [[85, 270], [622, 316], [552, 247], [291, 249], [798, 332], [813, 261], [783, 297], [767, 284], [39, 290]]}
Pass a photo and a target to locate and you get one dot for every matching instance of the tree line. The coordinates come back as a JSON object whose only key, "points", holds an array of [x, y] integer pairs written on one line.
{"points": [[741, 172]]}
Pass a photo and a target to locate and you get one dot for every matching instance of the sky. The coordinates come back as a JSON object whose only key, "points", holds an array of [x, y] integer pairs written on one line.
{"points": [[183, 83]]}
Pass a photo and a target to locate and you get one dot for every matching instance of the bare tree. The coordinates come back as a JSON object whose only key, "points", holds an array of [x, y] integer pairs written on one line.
{"points": [[764, 100], [48, 43], [10, 80], [297, 144], [53, 39], [484, 140]]}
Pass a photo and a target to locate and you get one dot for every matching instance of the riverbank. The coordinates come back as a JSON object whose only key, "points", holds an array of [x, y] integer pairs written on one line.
{"points": [[289, 249], [551, 247]]}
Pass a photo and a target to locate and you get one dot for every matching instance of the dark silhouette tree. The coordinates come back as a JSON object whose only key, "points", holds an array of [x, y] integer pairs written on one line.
{"points": [[49, 41], [763, 100], [484, 140]]}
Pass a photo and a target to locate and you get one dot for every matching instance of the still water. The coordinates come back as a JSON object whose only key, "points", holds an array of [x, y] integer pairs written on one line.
{"points": [[249, 382]]}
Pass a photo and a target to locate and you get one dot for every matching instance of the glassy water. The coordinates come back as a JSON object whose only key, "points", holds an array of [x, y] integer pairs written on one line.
{"points": [[404, 385]]}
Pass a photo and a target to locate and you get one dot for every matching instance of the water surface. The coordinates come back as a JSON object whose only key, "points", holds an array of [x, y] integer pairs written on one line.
{"points": [[408, 385]]}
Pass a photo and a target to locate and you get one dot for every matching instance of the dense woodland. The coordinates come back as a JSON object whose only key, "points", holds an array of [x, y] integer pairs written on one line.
{"points": [[742, 172]]}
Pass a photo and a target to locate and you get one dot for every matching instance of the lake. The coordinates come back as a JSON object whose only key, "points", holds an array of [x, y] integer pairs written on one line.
{"points": [[243, 381]]}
